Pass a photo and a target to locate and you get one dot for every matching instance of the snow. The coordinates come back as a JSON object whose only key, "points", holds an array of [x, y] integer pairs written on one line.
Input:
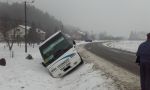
{"points": [[22, 74], [84, 42], [126, 45], [81, 43], [22, 26]]}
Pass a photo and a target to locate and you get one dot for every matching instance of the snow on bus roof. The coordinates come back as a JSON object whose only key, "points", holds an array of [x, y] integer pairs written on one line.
{"points": [[49, 38]]}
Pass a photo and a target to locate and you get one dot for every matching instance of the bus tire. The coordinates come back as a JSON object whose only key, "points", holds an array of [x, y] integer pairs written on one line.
{"points": [[43, 64]]}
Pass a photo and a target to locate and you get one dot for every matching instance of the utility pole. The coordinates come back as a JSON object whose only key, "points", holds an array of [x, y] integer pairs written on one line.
{"points": [[25, 9]]}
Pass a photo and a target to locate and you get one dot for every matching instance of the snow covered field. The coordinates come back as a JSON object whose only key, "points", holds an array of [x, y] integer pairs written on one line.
{"points": [[22, 74], [131, 46]]}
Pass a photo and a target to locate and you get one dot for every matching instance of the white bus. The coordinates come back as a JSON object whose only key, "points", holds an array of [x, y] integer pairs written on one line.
{"points": [[59, 54]]}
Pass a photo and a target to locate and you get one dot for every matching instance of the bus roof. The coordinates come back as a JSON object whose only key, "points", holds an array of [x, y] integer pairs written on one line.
{"points": [[49, 38]]}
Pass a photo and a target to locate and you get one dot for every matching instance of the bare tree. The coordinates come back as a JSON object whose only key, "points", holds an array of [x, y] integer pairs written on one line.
{"points": [[8, 24]]}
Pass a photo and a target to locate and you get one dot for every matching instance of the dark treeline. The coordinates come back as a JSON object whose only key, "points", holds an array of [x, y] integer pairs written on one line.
{"points": [[42, 20]]}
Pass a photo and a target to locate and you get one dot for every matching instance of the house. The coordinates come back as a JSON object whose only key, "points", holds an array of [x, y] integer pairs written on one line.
{"points": [[78, 35], [41, 33], [20, 32], [1, 37]]}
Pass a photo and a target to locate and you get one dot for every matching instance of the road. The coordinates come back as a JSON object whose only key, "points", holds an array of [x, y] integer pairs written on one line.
{"points": [[121, 58]]}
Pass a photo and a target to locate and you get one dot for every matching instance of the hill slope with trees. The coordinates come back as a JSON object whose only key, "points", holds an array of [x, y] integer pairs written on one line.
{"points": [[15, 12]]}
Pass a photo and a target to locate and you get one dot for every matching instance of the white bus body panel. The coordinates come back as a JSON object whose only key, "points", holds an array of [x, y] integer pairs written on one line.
{"points": [[69, 60]]}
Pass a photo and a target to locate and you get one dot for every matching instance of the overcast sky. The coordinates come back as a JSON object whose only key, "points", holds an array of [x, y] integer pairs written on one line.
{"points": [[117, 17]]}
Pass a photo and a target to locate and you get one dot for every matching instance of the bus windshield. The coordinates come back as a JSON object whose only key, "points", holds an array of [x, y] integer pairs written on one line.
{"points": [[54, 48]]}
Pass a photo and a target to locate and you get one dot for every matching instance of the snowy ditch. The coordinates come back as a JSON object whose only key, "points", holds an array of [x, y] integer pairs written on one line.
{"points": [[22, 74]]}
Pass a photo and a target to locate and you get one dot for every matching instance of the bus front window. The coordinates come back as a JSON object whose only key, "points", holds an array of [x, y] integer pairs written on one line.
{"points": [[55, 49]]}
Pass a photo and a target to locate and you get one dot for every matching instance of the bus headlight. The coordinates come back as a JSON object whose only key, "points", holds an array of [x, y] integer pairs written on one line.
{"points": [[54, 69]]}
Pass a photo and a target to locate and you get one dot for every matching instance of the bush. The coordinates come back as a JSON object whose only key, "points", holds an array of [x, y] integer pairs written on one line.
{"points": [[29, 57], [2, 62]]}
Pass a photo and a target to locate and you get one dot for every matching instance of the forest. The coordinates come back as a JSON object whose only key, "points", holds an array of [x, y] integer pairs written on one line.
{"points": [[14, 14]]}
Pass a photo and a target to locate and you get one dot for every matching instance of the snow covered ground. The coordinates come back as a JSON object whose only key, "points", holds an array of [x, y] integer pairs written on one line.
{"points": [[131, 46], [22, 74]]}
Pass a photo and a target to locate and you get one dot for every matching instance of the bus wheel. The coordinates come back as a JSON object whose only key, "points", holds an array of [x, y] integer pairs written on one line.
{"points": [[43, 64]]}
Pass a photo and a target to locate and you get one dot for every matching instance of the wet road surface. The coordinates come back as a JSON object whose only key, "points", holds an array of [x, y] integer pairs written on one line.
{"points": [[121, 58]]}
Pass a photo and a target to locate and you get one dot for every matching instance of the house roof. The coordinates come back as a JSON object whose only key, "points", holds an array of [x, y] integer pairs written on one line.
{"points": [[22, 26], [28, 28], [81, 32], [40, 31]]}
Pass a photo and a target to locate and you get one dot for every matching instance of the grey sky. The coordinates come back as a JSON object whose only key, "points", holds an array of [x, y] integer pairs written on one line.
{"points": [[117, 17]]}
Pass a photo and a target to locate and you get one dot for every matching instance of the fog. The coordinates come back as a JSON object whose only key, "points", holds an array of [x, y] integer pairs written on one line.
{"points": [[116, 17]]}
